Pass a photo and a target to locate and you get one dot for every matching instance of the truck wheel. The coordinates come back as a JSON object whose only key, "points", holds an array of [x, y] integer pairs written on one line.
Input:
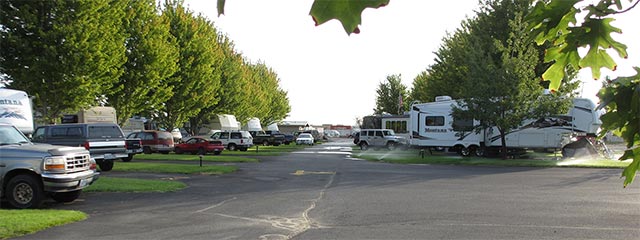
{"points": [[265, 143], [391, 146], [146, 150], [65, 197], [127, 158], [232, 147], [363, 146], [24, 191], [105, 165]]}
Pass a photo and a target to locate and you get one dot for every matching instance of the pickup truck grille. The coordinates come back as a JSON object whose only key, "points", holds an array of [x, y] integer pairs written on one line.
{"points": [[76, 163]]}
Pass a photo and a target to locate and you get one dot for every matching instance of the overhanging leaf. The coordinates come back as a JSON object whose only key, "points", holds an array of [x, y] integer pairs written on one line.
{"points": [[220, 6], [348, 12]]}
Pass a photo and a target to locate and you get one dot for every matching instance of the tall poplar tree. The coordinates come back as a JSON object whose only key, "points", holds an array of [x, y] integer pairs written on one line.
{"points": [[67, 54], [151, 58], [198, 77]]}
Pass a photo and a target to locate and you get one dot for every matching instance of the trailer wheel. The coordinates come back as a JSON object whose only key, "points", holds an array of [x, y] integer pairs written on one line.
{"points": [[465, 152], [479, 151]]}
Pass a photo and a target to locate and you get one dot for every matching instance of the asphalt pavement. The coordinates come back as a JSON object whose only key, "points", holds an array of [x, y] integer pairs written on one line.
{"points": [[323, 193]]}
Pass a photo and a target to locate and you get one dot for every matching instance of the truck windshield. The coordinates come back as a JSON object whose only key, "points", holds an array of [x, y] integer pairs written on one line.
{"points": [[10, 135]]}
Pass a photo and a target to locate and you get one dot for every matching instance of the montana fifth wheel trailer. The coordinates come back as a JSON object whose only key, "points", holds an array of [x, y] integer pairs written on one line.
{"points": [[15, 109], [432, 125]]}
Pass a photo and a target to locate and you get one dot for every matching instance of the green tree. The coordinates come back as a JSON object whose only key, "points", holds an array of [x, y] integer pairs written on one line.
{"points": [[505, 90], [151, 58], [391, 96], [420, 87], [67, 54], [554, 22], [197, 79]]}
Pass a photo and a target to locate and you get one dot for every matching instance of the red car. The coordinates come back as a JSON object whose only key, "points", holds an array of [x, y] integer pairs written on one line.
{"points": [[199, 145]]}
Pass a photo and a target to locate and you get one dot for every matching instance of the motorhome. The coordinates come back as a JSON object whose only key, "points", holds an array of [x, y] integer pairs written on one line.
{"points": [[432, 126], [15, 109]]}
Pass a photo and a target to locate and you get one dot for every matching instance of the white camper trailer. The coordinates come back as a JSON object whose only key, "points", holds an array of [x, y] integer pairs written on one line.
{"points": [[98, 114], [223, 122], [433, 126], [253, 125], [15, 109]]}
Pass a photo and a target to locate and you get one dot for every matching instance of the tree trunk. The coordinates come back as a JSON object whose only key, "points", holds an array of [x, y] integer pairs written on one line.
{"points": [[504, 144]]}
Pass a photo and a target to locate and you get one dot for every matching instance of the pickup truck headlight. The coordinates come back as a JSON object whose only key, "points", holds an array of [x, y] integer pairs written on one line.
{"points": [[54, 164]]}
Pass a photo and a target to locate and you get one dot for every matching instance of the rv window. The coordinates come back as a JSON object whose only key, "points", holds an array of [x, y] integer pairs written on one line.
{"points": [[462, 125], [435, 121]]}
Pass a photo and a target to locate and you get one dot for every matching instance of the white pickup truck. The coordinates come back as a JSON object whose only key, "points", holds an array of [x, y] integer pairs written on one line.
{"points": [[29, 173]]}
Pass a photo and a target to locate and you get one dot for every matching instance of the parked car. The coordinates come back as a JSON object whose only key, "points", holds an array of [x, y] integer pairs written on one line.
{"points": [[305, 138], [234, 140], [199, 145], [134, 146], [289, 138], [105, 141], [29, 172], [272, 138], [154, 141], [380, 138], [356, 138]]}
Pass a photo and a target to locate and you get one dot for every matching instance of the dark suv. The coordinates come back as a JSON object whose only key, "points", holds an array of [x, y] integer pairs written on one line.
{"points": [[105, 141]]}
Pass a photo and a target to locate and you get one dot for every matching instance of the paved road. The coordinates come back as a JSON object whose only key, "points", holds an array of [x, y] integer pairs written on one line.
{"points": [[321, 193]]}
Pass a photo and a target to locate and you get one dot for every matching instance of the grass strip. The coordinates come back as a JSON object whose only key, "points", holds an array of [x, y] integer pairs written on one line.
{"points": [[190, 157], [172, 168], [412, 157], [112, 184], [15, 223]]}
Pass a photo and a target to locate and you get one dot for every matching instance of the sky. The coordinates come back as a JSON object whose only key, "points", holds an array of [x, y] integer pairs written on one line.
{"points": [[332, 77]]}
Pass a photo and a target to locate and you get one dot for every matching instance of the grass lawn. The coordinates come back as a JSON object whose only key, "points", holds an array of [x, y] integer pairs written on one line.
{"points": [[172, 168], [111, 184], [530, 159], [191, 157], [15, 223], [259, 150]]}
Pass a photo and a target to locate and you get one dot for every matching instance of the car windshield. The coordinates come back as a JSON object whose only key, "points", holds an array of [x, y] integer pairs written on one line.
{"points": [[305, 135], [10, 135]]}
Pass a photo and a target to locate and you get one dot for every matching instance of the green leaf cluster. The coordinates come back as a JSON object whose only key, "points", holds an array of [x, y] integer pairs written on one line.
{"points": [[147, 59], [621, 99], [555, 22]]}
